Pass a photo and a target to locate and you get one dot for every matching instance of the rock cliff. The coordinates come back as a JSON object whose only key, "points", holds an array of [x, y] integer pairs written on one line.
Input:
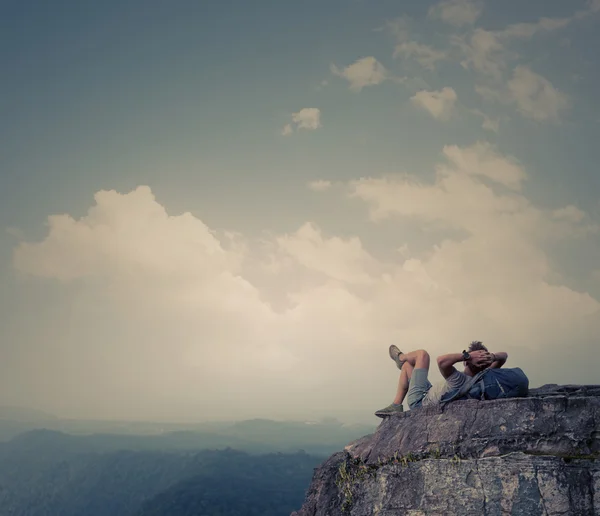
{"points": [[531, 456]]}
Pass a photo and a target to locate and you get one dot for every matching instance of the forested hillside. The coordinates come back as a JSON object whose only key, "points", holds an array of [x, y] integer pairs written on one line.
{"points": [[47, 473]]}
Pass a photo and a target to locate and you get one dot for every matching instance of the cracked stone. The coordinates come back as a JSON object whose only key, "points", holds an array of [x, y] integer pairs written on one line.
{"points": [[531, 456]]}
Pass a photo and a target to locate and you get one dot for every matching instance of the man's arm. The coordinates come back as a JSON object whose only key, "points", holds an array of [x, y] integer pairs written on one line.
{"points": [[446, 363], [479, 358], [498, 359]]}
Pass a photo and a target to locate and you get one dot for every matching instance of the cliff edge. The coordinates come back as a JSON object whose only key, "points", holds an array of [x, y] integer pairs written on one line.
{"points": [[538, 455]]}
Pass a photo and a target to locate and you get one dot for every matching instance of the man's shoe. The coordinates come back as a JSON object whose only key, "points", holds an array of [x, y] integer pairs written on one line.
{"points": [[390, 410], [395, 356]]}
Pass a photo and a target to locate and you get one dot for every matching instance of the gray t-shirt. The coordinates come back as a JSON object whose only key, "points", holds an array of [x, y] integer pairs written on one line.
{"points": [[455, 381]]}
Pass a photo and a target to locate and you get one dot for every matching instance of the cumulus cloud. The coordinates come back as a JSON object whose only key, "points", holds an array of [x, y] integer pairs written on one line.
{"points": [[158, 314], [306, 118], [483, 51], [490, 124], [529, 30], [425, 55], [336, 258], [102, 242], [319, 185], [457, 12], [398, 28], [569, 213], [366, 71], [488, 52], [439, 104], [535, 96], [501, 246], [482, 159]]}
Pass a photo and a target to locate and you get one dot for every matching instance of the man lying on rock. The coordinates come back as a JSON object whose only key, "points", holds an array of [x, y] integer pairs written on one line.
{"points": [[481, 378]]}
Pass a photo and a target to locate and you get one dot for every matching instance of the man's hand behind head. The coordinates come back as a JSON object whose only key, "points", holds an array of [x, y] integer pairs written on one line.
{"points": [[480, 359]]}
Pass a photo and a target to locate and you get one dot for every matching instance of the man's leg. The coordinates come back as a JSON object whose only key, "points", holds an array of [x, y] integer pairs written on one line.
{"points": [[403, 383], [414, 360], [416, 390], [418, 359], [419, 384]]}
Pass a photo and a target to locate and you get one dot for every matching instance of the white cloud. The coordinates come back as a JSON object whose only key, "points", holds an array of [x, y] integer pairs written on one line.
{"points": [[493, 94], [501, 249], [425, 55], [367, 71], [482, 159], [487, 52], [336, 258], [490, 124], [458, 198], [306, 118], [319, 185], [439, 104], [483, 51], [592, 7], [529, 30], [535, 96], [457, 12], [103, 241], [156, 314], [569, 213], [399, 28]]}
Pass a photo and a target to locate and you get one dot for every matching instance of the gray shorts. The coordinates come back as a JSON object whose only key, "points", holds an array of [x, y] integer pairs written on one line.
{"points": [[418, 387]]}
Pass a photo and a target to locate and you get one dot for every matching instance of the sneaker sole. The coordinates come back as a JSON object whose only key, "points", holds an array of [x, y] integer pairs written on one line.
{"points": [[392, 352]]}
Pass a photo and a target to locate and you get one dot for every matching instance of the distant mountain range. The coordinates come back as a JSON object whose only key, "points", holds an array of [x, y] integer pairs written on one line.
{"points": [[51, 466], [256, 436]]}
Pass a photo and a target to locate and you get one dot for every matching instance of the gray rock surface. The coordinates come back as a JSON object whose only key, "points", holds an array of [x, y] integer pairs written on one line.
{"points": [[531, 456]]}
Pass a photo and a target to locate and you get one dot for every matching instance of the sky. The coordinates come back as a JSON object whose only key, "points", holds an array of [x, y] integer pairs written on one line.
{"points": [[230, 209]]}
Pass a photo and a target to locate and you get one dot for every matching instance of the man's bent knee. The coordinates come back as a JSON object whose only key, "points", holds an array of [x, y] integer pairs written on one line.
{"points": [[422, 360]]}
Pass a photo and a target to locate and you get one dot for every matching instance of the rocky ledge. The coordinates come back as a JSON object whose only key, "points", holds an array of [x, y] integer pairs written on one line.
{"points": [[538, 455]]}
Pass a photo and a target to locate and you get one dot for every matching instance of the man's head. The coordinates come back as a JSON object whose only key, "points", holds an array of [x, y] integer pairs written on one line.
{"points": [[476, 345]]}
